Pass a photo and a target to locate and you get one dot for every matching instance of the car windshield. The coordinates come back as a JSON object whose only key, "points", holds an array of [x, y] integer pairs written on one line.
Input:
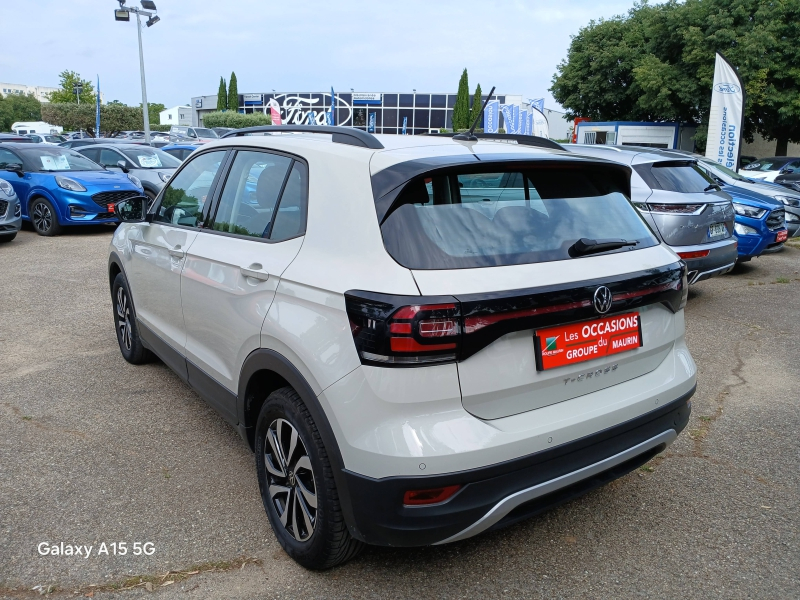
{"points": [[507, 217], [719, 169], [52, 139], [151, 158], [202, 132], [55, 158], [767, 164]]}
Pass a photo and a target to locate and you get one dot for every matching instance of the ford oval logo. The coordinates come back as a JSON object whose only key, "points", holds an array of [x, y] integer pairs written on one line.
{"points": [[727, 88]]}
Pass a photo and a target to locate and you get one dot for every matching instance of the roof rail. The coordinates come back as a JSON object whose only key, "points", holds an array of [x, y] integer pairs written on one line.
{"points": [[524, 140], [341, 135]]}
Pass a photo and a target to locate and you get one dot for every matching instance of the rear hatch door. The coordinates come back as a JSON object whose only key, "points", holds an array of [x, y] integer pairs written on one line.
{"points": [[686, 206]]}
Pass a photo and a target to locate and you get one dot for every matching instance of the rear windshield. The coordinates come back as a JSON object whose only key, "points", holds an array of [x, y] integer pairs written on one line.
{"points": [[507, 217], [684, 177]]}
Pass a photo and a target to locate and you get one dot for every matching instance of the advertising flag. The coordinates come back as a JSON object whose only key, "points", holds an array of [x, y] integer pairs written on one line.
{"points": [[491, 117], [332, 119], [97, 111], [517, 127], [312, 116], [540, 125], [405, 122], [537, 103], [371, 126], [507, 110], [275, 111], [523, 122], [726, 118]]}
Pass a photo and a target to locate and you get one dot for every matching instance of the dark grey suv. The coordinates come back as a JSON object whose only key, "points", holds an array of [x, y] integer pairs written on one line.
{"points": [[683, 206]]}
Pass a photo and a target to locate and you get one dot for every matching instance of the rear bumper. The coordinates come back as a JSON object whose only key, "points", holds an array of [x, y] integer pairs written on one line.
{"points": [[721, 258], [498, 495]]}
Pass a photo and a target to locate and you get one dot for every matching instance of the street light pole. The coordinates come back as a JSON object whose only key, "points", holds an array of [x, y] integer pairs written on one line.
{"points": [[123, 14], [145, 108]]}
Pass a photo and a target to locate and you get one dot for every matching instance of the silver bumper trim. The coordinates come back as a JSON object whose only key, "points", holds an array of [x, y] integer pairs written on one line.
{"points": [[506, 505], [708, 274]]}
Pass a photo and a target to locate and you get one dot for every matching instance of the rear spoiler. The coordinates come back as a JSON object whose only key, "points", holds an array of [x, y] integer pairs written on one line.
{"points": [[523, 140]]}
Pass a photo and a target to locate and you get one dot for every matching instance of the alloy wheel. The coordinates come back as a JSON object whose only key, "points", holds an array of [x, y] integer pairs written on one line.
{"points": [[42, 217], [292, 488], [124, 318]]}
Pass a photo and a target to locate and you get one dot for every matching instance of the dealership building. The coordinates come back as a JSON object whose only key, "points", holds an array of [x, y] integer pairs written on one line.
{"points": [[373, 111]]}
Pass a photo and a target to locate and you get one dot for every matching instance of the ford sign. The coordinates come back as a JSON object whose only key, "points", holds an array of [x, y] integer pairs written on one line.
{"points": [[727, 88]]}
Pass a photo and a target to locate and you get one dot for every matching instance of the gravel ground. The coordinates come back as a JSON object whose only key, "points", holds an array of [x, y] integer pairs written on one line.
{"points": [[95, 450]]}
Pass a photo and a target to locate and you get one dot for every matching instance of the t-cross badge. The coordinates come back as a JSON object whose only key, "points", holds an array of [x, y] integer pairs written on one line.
{"points": [[420, 338]]}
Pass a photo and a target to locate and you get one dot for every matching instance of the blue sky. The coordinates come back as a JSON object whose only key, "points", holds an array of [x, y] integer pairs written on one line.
{"points": [[298, 46]]}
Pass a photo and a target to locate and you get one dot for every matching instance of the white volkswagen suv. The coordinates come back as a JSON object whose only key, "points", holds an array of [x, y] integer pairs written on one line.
{"points": [[420, 338]]}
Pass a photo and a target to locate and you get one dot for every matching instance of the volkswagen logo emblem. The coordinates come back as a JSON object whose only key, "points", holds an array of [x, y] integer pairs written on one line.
{"points": [[602, 299]]}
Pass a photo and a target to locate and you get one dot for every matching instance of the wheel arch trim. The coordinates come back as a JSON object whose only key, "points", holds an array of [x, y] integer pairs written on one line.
{"points": [[264, 359]]}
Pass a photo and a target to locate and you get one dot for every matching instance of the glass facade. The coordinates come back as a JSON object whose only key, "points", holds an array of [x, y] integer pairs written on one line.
{"points": [[424, 112]]}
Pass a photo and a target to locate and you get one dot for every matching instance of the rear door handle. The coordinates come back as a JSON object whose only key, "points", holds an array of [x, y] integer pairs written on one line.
{"points": [[177, 252], [256, 271]]}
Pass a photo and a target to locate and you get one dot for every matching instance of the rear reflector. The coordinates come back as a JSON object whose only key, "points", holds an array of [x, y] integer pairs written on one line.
{"points": [[697, 254], [432, 496]]}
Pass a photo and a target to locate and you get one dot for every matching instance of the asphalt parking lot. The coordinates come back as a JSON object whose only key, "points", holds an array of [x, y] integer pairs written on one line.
{"points": [[97, 451]]}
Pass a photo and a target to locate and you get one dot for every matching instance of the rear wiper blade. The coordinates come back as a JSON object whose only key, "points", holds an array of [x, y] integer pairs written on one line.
{"points": [[586, 246]]}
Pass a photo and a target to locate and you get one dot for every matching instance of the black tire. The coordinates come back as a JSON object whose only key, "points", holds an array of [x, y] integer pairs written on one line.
{"points": [[7, 238], [328, 543], [130, 344], [44, 217]]}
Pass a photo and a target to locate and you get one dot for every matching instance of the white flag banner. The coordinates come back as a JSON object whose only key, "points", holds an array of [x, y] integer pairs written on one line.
{"points": [[540, 125], [726, 117]]}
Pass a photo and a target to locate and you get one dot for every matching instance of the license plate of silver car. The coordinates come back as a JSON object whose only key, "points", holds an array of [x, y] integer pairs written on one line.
{"points": [[717, 230]]}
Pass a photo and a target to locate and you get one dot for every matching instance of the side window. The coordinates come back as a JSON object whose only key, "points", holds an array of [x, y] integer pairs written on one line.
{"points": [[291, 218], [247, 203], [109, 158], [184, 198], [8, 158], [92, 154]]}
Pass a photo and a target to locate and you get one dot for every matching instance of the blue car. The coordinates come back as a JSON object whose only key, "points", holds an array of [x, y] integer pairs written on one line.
{"points": [[759, 224], [58, 187], [180, 151]]}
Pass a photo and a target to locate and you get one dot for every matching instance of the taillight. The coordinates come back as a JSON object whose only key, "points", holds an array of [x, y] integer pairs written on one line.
{"points": [[695, 254], [402, 330], [431, 496], [671, 209], [684, 286]]}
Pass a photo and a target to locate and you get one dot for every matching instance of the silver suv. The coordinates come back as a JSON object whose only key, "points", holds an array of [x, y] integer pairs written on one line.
{"points": [[683, 205]]}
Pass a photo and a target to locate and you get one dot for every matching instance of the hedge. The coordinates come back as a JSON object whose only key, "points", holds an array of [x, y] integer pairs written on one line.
{"points": [[235, 120]]}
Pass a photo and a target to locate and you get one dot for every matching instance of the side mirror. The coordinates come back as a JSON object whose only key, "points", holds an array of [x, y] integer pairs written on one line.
{"points": [[16, 168], [787, 170], [132, 210], [121, 164]]}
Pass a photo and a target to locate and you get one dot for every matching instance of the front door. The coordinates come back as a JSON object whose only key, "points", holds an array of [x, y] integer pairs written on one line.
{"points": [[234, 266], [158, 250]]}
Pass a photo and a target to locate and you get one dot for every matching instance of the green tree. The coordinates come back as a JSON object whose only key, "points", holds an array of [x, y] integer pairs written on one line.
{"points": [[233, 94], [461, 107], [113, 117], [222, 95], [153, 111], [66, 95], [15, 107], [476, 107], [656, 63]]}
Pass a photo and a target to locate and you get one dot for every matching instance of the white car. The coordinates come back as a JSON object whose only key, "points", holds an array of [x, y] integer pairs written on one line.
{"points": [[45, 138], [420, 338], [767, 169]]}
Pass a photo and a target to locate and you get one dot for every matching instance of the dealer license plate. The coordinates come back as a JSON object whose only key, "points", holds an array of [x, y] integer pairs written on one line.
{"points": [[782, 235], [717, 230], [588, 340]]}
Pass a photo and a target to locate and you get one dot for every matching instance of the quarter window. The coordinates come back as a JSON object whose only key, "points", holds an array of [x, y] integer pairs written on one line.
{"points": [[290, 221], [185, 197]]}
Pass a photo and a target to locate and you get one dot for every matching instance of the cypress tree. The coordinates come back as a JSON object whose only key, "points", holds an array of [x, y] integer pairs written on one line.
{"points": [[476, 107], [222, 96], [233, 93], [461, 108]]}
